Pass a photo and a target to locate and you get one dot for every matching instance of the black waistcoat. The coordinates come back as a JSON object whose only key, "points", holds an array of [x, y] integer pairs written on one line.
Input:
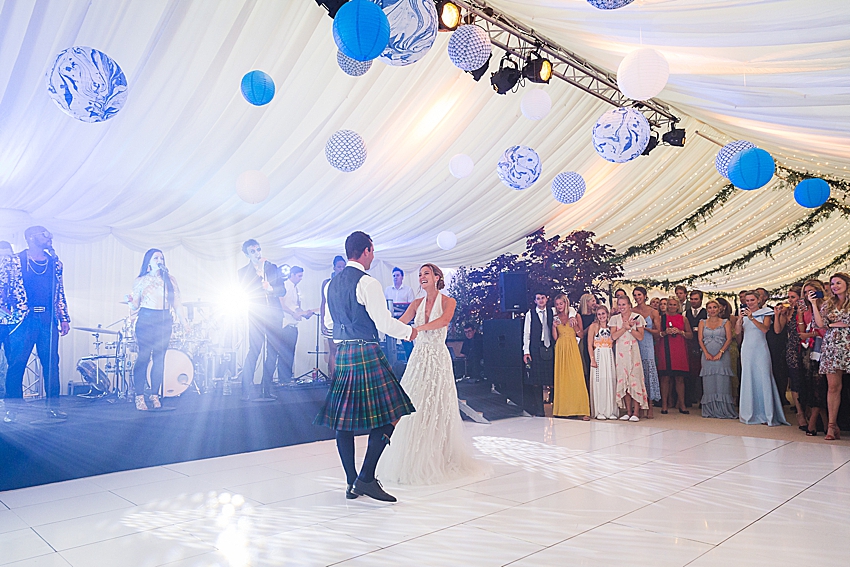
{"points": [[535, 340], [351, 320]]}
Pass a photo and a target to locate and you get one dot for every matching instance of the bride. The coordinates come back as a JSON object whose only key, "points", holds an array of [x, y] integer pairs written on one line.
{"points": [[429, 446]]}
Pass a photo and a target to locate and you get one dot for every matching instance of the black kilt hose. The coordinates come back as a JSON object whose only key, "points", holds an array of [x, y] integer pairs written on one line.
{"points": [[364, 393]]}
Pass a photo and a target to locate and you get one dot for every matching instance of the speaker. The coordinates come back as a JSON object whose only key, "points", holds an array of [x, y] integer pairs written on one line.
{"points": [[513, 291], [503, 343]]}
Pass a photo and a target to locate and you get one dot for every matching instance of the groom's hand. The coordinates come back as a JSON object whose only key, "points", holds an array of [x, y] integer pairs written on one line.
{"points": [[413, 333]]}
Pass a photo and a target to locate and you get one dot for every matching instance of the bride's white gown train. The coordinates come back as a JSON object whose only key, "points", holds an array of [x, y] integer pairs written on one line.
{"points": [[428, 446]]}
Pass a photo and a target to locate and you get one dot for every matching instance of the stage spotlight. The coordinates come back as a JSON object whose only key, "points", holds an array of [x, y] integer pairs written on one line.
{"points": [[448, 14], [505, 78], [478, 73], [332, 6], [675, 137], [538, 69], [651, 145]]}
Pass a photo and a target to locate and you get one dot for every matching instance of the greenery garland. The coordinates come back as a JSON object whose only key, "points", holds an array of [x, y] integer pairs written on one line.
{"points": [[789, 178]]}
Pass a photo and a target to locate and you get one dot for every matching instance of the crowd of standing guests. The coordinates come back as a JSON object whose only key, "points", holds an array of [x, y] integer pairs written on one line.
{"points": [[680, 351]]}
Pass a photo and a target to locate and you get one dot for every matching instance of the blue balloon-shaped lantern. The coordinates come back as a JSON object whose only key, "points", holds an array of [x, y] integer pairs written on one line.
{"points": [[811, 193], [361, 30], [87, 84], [257, 88], [726, 153], [621, 135], [519, 167], [346, 150], [569, 187], [609, 4], [413, 29], [469, 47], [351, 66], [751, 169]]}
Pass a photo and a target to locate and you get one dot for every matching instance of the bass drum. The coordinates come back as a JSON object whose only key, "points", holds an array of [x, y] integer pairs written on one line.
{"points": [[178, 374]]}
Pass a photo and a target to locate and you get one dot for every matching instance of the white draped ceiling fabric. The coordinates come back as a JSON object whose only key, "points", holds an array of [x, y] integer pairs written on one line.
{"points": [[163, 171]]}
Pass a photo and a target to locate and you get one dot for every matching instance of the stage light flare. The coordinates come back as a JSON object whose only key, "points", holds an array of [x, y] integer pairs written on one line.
{"points": [[232, 301]]}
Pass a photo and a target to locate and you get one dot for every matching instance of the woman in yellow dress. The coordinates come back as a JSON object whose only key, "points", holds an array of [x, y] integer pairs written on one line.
{"points": [[570, 389]]}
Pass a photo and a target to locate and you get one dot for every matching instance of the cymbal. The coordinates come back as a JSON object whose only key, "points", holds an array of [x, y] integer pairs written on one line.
{"points": [[100, 330]]}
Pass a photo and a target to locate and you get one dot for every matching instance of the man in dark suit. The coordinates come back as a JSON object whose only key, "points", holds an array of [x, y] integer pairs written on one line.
{"points": [[694, 313], [538, 353], [473, 350], [262, 282]]}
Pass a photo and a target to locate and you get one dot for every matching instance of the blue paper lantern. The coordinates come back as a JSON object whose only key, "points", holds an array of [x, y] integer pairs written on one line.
{"points": [[257, 88], [345, 150], [519, 167], [811, 193], [361, 30], [751, 169], [87, 84], [351, 66], [469, 47], [609, 4], [621, 135], [726, 153], [569, 187], [413, 29]]}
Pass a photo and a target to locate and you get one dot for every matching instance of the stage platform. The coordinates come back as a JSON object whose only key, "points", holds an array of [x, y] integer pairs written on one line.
{"points": [[108, 435]]}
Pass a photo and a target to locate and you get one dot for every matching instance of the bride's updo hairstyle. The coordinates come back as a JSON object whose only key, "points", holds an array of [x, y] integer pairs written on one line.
{"points": [[441, 281]]}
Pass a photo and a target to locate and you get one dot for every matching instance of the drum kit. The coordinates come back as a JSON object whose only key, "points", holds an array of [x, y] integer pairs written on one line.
{"points": [[193, 360]]}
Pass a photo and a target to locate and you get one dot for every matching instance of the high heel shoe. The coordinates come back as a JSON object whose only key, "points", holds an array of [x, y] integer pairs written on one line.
{"points": [[140, 403], [811, 433], [155, 401], [832, 432]]}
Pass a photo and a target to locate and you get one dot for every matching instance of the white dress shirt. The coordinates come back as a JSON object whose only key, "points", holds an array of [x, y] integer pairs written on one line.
{"points": [[371, 295], [291, 302], [402, 294], [546, 333]]}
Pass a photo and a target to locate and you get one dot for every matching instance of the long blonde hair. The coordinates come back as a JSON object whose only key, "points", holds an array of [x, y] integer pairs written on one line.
{"points": [[584, 303]]}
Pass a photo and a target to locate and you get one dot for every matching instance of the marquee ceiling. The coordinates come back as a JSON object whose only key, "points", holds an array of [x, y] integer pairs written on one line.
{"points": [[162, 172]]}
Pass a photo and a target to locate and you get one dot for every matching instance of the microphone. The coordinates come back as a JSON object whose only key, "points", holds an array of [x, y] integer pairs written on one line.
{"points": [[50, 251]]}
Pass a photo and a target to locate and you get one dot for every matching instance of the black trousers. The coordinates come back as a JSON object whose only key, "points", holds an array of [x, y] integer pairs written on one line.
{"points": [[290, 339], [39, 330], [153, 332], [263, 329]]}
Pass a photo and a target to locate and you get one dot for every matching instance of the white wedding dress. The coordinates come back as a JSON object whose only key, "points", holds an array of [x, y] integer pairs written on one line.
{"points": [[428, 446]]}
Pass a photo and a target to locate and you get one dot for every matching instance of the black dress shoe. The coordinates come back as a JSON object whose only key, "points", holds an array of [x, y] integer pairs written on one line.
{"points": [[372, 490], [684, 411], [349, 492], [56, 414]]}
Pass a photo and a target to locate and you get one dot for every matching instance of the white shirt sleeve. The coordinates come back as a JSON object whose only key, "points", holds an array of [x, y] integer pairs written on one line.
{"points": [[526, 334], [370, 294], [328, 320]]}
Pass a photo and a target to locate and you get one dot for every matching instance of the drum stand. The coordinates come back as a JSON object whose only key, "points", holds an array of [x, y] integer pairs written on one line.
{"points": [[314, 376]]}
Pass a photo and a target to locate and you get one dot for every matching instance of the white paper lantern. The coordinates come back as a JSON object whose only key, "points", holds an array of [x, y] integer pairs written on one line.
{"points": [[643, 74], [536, 104], [519, 167], [87, 84], [346, 150], [621, 135], [461, 166], [569, 187], [351, 66], [446, 240], [726, 153], [469, 47], [253, 186]]}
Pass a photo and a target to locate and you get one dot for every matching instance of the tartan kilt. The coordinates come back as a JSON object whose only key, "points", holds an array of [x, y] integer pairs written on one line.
{"points": [[364, 392]]}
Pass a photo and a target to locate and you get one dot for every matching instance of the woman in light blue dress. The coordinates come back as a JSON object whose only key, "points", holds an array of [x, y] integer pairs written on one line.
{"points": [[759, 397], [647, 346], [715, 337]]}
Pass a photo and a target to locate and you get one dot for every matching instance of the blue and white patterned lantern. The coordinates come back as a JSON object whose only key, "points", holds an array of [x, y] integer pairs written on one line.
{"points": [[257, 88], [469, 47], [87, 84], [519, 167], [621, 135], [351, 66], [726, 153], [609, 4], [345, 150], [812, 193], [413, 29], [569, 187]]}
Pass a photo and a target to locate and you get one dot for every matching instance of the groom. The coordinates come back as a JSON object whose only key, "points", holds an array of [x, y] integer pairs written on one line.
{"points": [[364, 392]]}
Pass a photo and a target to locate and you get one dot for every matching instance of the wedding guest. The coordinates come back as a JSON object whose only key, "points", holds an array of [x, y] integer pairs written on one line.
{"points": [[776, 344], [681, 293], [759, 396], [672, 355], [587, 311], [813, 397], [603, 377], [655, 303], [538, 353], [651, 332], [834, 315], [617, 295], [786, 321], [741, 302], [627, 331], [694, 313], [727, 312], [571, 398], [715, 337], [662, 305]]}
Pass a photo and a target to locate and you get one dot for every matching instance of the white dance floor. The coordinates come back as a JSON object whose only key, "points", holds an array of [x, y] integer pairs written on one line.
{"points": [[561, 493]]}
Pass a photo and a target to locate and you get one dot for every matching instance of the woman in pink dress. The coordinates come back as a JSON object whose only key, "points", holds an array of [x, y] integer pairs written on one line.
{"points": [[627, 330]]}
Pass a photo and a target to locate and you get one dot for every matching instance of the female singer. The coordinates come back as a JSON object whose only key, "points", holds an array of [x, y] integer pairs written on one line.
{"points": [[155, 295]]}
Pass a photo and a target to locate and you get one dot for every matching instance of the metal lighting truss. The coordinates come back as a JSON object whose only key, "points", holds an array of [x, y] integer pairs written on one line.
{"points": [[518, 39]]}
